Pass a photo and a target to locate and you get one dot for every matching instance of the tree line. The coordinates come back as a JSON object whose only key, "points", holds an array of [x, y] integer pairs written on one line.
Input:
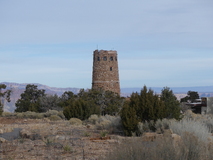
{"points": [[139, 107], [81, 105]]}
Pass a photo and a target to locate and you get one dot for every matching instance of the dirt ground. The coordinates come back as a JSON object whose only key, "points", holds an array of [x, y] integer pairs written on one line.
{"points": [[41, 139]]}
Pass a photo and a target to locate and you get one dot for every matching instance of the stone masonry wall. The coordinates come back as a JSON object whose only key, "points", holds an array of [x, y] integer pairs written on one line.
{"points": [[105, 71]]}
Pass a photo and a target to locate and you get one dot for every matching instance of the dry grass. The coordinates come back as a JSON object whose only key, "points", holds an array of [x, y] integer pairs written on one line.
{"points": [[107, 122], [63, 140], [164, 148]]}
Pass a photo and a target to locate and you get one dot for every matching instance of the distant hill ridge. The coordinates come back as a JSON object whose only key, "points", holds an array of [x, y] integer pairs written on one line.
{"points": [[18, 88], [200, 89], [49, 90]]}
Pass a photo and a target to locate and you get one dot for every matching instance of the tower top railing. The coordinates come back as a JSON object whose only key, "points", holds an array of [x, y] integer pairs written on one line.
{"points": [[105, 51]]}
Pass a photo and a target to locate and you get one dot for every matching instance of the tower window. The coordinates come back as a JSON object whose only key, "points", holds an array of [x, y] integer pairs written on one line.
{"points": [[115, 58], [111, 58], [98, 58], [110, 68], [105, 58]]}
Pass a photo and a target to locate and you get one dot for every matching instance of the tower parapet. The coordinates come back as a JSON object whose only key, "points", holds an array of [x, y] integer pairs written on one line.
{"points": [[105, 71]]}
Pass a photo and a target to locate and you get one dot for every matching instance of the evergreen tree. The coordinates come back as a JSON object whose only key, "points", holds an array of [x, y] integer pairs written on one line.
{"points": [[80, 109], [129, 119], [30, 99], [50, 102], [109, 102], [86, 103], [191, 96], [148, 106], [4, 96], [171, 103]]}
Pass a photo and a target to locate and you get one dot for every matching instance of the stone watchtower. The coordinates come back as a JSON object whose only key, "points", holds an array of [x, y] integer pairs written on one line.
{"points": [[105, 71]]}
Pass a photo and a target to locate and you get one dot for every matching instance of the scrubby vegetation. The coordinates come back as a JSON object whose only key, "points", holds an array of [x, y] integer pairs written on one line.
{"points": [[193, 141], [154, 124], [107, 122], [81, 105], [51, 114], [148, 107]]}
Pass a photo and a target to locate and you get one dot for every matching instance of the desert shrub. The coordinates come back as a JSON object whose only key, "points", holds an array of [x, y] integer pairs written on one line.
{"points": [[206, 119], [190, 115], [135, 149], [80, 109], [39, 115], [67, 148], [50, 102], [51, 112], [54, 118], [140, 129], [61, 114], [93, 119], [198, 128], [7, 114], [196, 148], [107, 122], [86, 134], [163, 149], [184, 107], [103, 133], [161, 125], [144, 127], [104, 125], [29, 114], [20, 115], [75, 121], [35, 115]]}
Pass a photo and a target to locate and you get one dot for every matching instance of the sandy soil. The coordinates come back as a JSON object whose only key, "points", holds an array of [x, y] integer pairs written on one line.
{"points": [[43, 139]]}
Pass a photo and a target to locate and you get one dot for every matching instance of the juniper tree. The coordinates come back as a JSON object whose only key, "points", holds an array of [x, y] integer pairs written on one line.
{"points": [[191, 96], [171, 103], [4, 95], [147, 106], [129, 119], [30, 99]]}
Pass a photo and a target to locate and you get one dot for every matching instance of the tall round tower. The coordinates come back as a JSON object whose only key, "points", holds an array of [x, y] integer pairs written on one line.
{"points": [[105, 71]]}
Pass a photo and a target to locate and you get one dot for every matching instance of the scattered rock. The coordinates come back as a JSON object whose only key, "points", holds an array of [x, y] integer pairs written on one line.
{"points": [[27, 134], [8, 129], [9, 136], [62, 137], [1, 131], [2, 140]]}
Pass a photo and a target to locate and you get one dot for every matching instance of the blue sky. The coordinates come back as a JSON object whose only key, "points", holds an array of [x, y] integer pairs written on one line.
{"points": [[159, 43]]}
